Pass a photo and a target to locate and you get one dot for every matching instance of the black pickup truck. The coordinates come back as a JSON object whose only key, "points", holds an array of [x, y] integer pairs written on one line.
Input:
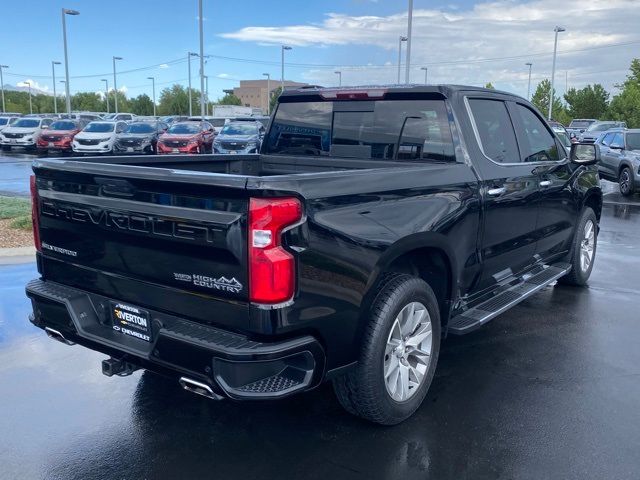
{"points": [[374, 222]]}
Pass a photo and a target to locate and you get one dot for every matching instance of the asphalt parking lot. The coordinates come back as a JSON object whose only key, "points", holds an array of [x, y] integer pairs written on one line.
{"points": [[550, 389]]}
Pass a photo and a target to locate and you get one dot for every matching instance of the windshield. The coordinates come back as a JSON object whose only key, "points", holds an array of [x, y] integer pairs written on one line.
{"points": [[633, 141], [99, 127], [109, 116], [140, 128], [217, 122], [184, 128], [580, 123], [239, 129], [600, 127], [27, 123], [63, 125], [383, 129], [4, 121]]}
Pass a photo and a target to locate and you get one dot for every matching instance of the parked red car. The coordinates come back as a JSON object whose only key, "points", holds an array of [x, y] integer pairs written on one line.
{"points": [[59, 135], [187, 137]]}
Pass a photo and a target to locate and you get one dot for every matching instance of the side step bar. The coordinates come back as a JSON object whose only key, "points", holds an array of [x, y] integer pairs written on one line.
{"points": [[477, 316]]}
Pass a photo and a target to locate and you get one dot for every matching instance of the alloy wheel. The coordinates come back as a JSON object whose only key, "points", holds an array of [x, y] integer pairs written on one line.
{"points": [[587, 245], [408, 352]]}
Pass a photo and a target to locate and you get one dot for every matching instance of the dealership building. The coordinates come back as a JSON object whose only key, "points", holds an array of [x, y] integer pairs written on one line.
{"points": [[253, 93]]}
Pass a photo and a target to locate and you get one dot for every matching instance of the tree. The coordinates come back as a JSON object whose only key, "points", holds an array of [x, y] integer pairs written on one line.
{"points": [[626, 105], [86, 101], [274, 98], [229, 99], [541, 100], [588, 102], [174, 100], [141, 105], [490, 86]]}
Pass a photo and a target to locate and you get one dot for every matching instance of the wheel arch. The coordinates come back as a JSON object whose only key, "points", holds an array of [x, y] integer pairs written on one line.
{"points": [[426, 255]]}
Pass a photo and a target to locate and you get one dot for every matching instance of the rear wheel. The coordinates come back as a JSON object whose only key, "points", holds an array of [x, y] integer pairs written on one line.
{"points": [[398, 356], [625, 182], [583, 250]]}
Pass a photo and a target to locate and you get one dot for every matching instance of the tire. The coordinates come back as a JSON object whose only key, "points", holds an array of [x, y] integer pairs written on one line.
{"points": [[579, 275], [625, 182], [365, 390]]}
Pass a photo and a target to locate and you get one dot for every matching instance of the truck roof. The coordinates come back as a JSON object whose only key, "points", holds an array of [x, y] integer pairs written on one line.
{"points": [[445, 90]]}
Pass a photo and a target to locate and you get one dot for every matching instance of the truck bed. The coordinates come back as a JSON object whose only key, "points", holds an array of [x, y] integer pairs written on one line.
{"points": [[252, 165]]}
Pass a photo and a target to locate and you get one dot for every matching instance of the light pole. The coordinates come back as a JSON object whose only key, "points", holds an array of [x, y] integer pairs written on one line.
{"points": [[401, 39], [189, 55], [106, 89], [284, 47], [268, 91], [55, 97], [409, 24], [30, 104], [2, 86], [206, 94], [153, 87], [529, 64], [201, 28], [115, 83], [426, 72], [339, 73], [64, 82], [553, 69], [65, 12]]}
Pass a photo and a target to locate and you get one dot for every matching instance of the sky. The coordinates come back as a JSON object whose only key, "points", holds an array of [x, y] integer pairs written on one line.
{"points": [[463, 42]]}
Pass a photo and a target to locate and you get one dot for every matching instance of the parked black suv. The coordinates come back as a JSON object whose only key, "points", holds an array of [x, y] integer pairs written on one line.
{"points": [[374, 222]]}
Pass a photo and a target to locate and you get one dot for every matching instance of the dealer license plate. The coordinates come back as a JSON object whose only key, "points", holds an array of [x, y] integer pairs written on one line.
{"points": [[131, 321]]}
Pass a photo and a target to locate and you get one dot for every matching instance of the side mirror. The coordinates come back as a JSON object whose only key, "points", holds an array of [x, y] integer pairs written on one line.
{"points": [[585, 153], [44, 127], [616, 147]]}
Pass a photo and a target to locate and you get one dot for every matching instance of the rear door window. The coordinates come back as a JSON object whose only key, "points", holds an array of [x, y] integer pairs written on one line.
{"points": [[497, 137], [537, 144]]}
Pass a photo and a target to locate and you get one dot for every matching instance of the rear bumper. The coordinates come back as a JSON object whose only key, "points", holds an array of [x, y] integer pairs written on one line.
{"points": [[231, 364]]}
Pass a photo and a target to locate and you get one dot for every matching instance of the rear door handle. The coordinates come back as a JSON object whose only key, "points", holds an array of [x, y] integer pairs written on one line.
{"points": [[545, 183], [494, 192]]}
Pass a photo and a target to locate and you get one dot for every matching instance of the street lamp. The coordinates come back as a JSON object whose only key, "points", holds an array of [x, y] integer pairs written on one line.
{"points": [[557, 30], [529, 64], [268, 91], [284, 47], [189, 55], [2, 85], [106, 89], [28, 83], [401, 39], [65, 12], [115, 83], [409, 23], [339, 73], [55, 97], [426, 72], [153, 86]]}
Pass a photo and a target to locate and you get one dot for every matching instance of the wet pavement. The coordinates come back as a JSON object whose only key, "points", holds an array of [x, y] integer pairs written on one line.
{"points": [[550, 389]]}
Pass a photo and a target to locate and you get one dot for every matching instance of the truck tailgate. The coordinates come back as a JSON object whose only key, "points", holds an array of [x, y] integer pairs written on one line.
{"points": [[119, 230]]}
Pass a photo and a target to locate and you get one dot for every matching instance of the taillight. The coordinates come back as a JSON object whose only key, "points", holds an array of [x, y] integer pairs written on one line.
{"points": [[271, 267], [35, 213]]}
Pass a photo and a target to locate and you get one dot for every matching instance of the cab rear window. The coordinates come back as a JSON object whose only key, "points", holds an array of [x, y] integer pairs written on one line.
{"points": [[403, 130]]}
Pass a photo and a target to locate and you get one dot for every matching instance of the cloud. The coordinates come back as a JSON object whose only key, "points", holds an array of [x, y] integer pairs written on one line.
{"points": [[163, 65], [34, 85], [489, 29]]}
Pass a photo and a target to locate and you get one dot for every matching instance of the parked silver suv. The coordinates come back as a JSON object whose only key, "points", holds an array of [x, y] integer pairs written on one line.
{"points": [[594, 130], [620, 159]]}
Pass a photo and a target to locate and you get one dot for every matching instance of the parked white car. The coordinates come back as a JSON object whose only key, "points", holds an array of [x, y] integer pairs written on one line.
{"points": [[97, 137], [116, 117], [7, 121], [24, 132]]}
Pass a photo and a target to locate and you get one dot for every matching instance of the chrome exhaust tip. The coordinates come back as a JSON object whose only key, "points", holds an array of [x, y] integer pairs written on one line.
{"points": [[56, 335], [199, 388]]}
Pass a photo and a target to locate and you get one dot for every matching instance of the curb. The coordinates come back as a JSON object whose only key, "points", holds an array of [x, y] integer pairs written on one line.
{"points": [[17, 252]]}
